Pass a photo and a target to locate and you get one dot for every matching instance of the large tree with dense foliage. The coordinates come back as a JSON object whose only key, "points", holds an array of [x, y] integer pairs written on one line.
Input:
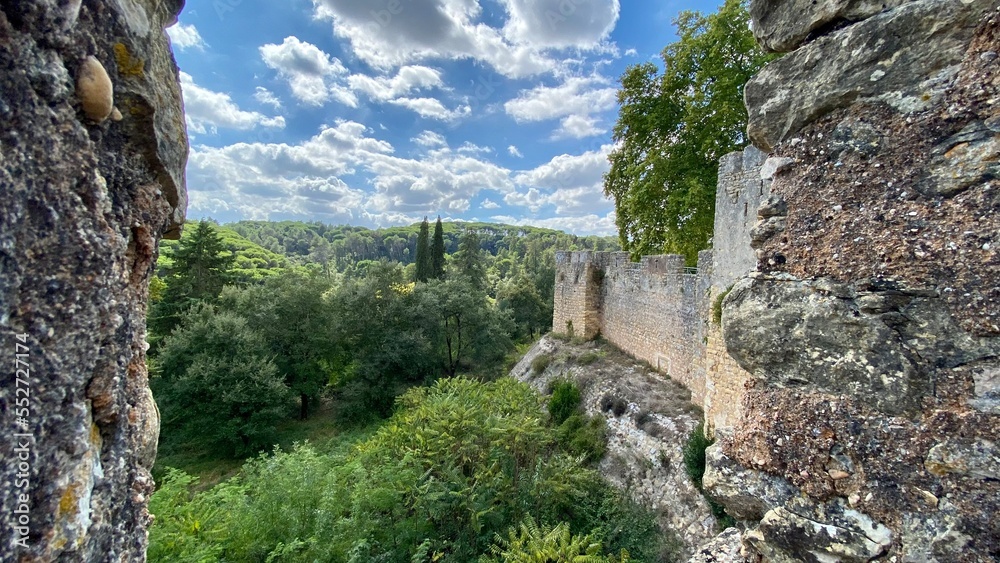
{"points": [[215, 382], [466, 327], [299, 328], [385, 333], [673, 128]]}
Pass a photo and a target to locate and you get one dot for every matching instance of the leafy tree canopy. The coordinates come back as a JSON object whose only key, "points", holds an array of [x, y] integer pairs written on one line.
{"points": [[674, 126]]}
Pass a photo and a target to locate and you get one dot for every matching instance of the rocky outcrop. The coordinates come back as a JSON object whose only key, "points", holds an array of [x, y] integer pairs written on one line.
{"points": [[783, 25], [747, 494], [870, 426], [903, 57], [92, 154], [648, 417], [812, 532]]}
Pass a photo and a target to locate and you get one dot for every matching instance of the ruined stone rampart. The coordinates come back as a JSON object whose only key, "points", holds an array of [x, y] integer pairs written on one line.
{"points": [[661, 312]]}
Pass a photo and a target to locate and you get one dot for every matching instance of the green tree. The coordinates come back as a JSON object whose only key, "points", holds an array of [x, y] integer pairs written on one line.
{"points": [[200, 269], [425, 267], [672, 129], [468, 328], [521, 298], [299, 328], [216, 383], [469, 261], [389, 350], [437, 251]]}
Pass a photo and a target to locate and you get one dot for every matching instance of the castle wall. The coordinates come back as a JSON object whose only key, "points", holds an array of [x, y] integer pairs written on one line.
{"points": [[661, 312]]}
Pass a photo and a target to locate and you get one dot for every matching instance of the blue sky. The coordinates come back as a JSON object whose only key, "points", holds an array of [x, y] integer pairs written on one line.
{"points": [[381, 112]]}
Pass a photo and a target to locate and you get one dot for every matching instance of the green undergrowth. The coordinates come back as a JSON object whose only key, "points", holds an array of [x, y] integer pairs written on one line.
{"points": [[694, 463], [457, 474]]}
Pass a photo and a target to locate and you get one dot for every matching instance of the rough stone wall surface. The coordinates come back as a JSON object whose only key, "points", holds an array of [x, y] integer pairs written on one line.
{"points": [[740, 192], [92, 153], [725, 382], [656, 312], [872, 326], [577, 295], [659, 311]]}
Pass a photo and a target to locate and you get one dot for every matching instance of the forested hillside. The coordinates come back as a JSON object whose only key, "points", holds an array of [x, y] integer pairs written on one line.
{"points": [[341, 247], [424, 452]]}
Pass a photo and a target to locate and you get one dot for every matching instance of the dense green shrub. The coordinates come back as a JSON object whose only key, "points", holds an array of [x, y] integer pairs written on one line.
{"points": [[565, 400], [540, 363], [584, 436], [694, 454], [530, 542], [694, 463]]}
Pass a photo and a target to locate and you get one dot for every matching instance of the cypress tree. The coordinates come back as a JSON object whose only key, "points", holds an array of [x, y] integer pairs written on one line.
{"points": [[437, 251], [424, 267]]}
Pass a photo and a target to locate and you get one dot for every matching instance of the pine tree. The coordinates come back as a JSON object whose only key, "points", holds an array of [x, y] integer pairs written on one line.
{"points": [[200, 270], [424, 266], [437, 251]]}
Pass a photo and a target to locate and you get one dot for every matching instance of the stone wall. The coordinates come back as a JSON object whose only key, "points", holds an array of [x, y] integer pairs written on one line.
{"points": [[661, 312], [92, 155], [870, 425]]}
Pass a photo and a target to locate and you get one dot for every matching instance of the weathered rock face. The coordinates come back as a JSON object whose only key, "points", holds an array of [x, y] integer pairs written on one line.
{"points": [[882, 343], [902, 56], [92, 154], [816, 533], [872, 327], [747, 494], [783, 25]]}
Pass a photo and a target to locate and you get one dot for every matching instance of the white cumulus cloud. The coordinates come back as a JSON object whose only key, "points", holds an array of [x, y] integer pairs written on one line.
{"points": [[313, 75], [206, 111], [575, 96], [186, 37], [561, 23], [390, 34]]}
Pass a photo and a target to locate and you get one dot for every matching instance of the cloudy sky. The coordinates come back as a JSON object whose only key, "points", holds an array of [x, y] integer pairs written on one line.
{"points": [[379, 112]]}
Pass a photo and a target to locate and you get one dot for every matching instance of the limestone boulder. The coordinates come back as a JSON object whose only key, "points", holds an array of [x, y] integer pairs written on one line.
{"points": [[904, 56], [805, 530], [794, 334], [747, 494], [782, 25], [880, 344]]}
